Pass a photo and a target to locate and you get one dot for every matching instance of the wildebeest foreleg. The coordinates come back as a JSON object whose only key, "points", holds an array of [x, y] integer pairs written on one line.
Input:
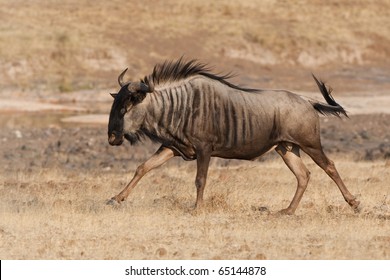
{"points": [[162, 155], [290, 154], [202, 163]]}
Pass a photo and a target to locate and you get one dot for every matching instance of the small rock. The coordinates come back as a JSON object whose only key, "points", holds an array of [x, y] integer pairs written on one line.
{"points": [[18, 134]]}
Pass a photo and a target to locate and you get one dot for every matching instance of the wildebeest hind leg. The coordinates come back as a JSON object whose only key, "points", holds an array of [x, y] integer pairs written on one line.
{"points": [[317, 154], [290, 154], [162, 155]]}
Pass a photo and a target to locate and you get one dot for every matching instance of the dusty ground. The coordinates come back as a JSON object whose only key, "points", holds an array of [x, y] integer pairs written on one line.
{"points": [[57, 169]]}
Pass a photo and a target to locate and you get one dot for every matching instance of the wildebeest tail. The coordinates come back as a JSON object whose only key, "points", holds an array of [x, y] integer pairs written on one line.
{"points": [[332, 108]]}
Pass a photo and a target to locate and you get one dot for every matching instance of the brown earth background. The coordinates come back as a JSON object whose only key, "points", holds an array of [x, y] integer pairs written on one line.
{"points": [[60, 59]]}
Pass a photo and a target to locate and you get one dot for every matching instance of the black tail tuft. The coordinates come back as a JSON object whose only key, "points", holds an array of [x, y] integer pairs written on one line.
{"points": [[332, 108]]}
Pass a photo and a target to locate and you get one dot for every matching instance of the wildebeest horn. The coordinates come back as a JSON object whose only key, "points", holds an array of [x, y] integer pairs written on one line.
{"points": [[120, 78]]}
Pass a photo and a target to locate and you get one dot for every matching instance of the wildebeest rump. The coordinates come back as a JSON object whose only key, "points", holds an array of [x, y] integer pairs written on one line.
{"points": [[196, 114]]}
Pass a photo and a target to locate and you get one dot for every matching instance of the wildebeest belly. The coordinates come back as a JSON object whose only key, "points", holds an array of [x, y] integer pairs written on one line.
{"points": [[246, 150]]}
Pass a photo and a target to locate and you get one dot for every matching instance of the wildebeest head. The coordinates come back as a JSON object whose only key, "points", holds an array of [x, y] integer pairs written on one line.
{"points": [[127, 114]]}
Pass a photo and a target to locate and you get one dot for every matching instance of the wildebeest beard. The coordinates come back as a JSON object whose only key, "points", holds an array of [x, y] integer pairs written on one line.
{"points": [[134, 137]]}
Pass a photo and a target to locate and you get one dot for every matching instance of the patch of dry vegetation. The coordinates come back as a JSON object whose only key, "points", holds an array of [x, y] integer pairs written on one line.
{"points": [[70, 45], [62, 215]]}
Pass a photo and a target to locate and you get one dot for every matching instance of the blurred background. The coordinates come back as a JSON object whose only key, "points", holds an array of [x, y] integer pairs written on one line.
{"points": [[64, 46]]}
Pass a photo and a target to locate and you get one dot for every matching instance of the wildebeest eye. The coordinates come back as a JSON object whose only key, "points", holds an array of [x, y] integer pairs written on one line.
{"points": [[122, 111]]}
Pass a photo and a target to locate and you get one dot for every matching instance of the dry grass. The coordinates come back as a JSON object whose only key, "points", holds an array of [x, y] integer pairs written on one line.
{"points": [[56, 215]]}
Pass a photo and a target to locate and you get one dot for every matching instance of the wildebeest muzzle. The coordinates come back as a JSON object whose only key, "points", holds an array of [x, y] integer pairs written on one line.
{"points": [[115, 138]]}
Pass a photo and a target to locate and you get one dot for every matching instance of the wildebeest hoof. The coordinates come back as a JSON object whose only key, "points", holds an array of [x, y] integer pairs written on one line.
{"points": [[357, 208], [112, 202], [285, 212]]}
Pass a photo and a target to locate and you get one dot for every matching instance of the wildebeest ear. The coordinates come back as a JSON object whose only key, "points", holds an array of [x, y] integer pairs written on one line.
{"points": [[113, 95]]}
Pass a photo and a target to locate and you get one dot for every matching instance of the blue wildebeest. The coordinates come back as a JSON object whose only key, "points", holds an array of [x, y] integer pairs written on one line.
{"points": [[196, 114]]}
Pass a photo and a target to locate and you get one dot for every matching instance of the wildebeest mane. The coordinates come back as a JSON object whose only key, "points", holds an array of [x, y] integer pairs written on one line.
{"points": [[171, 71]]}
